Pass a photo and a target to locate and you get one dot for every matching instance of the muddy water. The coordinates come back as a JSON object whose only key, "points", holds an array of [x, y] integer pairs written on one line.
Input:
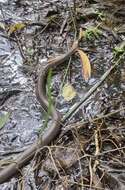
{"points": [[26, 114]]}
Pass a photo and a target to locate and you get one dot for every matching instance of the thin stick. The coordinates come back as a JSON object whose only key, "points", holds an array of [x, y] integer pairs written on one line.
{"points": [[100, 117]]}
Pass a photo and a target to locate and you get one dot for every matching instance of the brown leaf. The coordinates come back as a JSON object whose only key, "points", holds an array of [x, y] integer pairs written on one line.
{"points": [[85, 65]]}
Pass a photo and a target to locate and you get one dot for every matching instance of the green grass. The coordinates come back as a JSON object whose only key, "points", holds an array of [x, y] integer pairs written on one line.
{"points": [[120, 49], [92, 32]]}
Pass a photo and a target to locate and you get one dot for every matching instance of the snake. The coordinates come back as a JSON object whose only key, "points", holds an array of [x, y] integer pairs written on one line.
{"points": [[51, 133]]}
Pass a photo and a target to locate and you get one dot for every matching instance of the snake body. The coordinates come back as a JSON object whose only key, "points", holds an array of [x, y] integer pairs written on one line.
{"points": [[52, 132], [49, 135]]}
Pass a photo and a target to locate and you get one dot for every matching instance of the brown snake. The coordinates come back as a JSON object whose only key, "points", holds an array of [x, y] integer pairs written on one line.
{"points": [[49, 135]]}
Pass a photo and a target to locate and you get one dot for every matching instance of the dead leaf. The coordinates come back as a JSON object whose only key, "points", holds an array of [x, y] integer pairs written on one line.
{"points": [[81, 34], [85, 65], [2, 26], [4, 119], [68, 92], [16, 27]]}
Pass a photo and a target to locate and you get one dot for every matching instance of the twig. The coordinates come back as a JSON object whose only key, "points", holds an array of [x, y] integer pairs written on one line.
{"points": [[100, 117], [112, 150], [90, 171], [45, 27], [19, 46], [73, 20], [64, 24]]}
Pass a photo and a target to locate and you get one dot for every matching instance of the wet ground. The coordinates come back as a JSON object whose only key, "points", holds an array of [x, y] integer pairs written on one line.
{"points": [[87, 156]]}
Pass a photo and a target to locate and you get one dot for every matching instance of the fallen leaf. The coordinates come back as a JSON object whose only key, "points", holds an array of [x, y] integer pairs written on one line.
{"points": [[2, 26], [81, 34], [4, 119], [86, 71], [68, 92]]}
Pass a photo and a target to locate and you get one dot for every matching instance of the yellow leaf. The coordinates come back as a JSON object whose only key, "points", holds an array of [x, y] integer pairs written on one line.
{"points": [[86, 71], [68, 92], [16, 27]]}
